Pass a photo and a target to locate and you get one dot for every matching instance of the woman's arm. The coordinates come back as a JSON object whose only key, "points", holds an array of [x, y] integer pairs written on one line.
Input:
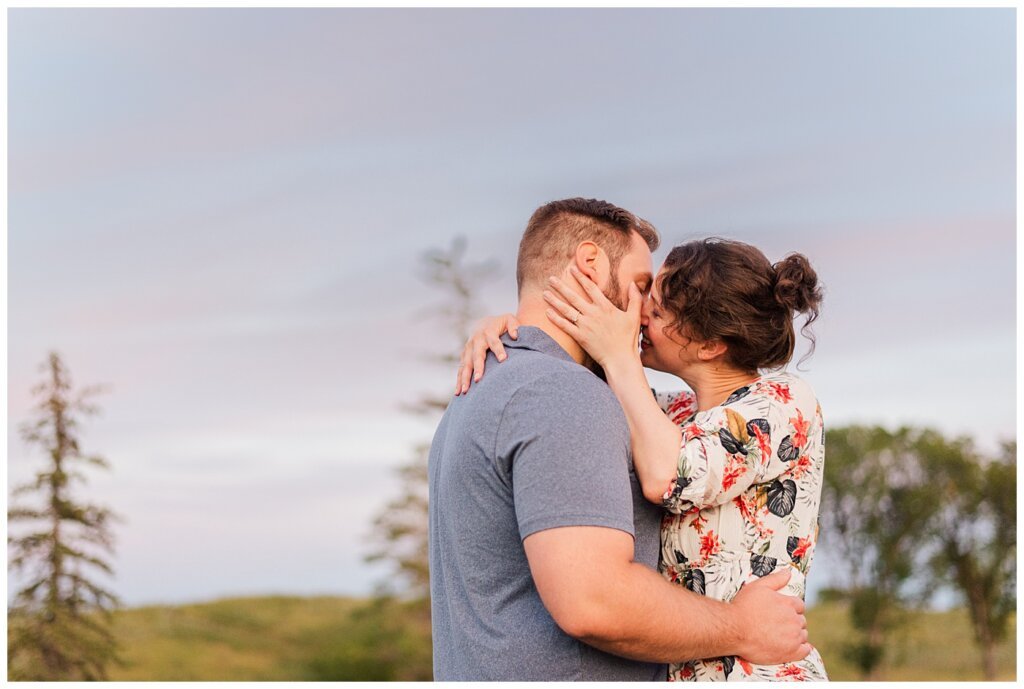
{"points": [[485, 338], [655, 438], [611, 335]]}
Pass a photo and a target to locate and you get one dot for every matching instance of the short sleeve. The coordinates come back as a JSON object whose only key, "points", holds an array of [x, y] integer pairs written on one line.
{"points": [[564, 443], [757, 435], [678, 405]]}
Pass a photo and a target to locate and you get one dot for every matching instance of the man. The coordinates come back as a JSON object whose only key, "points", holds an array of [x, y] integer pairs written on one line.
{"points": [[543, 549]]}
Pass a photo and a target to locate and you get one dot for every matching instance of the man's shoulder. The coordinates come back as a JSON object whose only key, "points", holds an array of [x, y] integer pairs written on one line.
{"points": [[563, 393], [541, 374]]}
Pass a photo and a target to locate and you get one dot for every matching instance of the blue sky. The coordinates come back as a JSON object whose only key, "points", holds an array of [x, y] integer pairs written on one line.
{"points": [[219, 213]]}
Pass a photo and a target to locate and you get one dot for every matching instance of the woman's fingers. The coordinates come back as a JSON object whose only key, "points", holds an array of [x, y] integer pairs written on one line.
{"points": [[464, 372], [568, 294], [589, 286], [487, 337], [636, 301], [479, 356], [569, 312], [467, 372], [495, 345], [568, 326]]}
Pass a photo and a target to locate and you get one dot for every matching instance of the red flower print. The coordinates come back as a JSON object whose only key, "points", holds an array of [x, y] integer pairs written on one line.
{"points": [[779, 391], [800, 427], [681, 408], [763, 442], [801, 548], [745, 505], [735, 469], [690, 432], [801, 467], [745, 665], [709, 545], [790, 670], [687, 671], [698, 523]]}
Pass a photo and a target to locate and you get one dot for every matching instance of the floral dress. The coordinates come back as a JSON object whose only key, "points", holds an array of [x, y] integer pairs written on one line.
{"points": [[744, 504]]}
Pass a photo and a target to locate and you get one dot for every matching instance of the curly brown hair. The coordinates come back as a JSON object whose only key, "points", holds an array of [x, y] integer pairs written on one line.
{"points": [[722, 289]]}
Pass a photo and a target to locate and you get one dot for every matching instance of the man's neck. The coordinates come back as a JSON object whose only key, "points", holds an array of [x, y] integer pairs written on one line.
{"points": [[532, 312]]}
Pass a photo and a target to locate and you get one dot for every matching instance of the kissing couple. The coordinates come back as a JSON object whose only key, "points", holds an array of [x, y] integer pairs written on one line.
{"points": [[586, 527]]}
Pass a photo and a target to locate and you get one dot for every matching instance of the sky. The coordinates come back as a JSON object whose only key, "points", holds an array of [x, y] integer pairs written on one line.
{"points": [[220, 214]]}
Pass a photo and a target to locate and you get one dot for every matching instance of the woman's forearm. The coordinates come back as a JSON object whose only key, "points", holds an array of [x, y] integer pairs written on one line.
{"points": [[656, 440]]}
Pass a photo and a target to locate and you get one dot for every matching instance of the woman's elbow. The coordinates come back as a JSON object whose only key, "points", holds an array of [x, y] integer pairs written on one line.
{"points": [[655, 488]]}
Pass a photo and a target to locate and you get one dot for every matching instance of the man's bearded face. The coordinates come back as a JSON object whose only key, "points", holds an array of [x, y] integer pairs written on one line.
{"points": [[614, 291]]}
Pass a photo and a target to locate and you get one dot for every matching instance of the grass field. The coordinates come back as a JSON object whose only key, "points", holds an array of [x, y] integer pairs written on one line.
{"points": [[333, 638]]}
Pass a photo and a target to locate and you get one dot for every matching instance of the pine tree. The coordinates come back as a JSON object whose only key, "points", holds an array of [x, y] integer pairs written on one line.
{"points": [[400, 531], [59, 621]]}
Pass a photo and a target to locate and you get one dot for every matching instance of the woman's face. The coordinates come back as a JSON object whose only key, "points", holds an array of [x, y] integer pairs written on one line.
{"points": [[658, 350]]}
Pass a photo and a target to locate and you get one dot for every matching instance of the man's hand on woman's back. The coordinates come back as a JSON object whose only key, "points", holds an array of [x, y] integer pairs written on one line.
{"points": [[773, 628]]}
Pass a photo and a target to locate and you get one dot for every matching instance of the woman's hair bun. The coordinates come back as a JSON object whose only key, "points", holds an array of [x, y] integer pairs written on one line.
{"points": [[796, 285]]}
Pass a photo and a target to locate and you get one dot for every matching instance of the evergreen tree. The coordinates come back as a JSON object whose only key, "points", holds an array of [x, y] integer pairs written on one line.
{"points": [[59, 621], [400, 530]]}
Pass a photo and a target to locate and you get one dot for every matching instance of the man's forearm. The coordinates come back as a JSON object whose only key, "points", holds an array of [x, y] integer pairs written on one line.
{"points": [[644, 617]]}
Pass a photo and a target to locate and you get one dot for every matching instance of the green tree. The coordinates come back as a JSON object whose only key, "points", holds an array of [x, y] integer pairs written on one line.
{"points": [[59, 621], [975, 529], [400, 530], [877, 504]]}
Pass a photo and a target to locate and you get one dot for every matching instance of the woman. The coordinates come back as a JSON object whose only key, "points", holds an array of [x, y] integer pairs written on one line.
{"points": [[737, 463]]}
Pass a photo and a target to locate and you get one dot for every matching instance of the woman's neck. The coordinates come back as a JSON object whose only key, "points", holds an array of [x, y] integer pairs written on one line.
{"points": [[713, 383]]}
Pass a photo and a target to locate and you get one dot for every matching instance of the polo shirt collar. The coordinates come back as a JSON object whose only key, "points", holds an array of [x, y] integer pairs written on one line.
{"points": [[533, 338]]}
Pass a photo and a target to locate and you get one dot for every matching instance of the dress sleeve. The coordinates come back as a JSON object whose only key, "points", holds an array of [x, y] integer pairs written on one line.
{"points": [[678, 405], [757, 435]]}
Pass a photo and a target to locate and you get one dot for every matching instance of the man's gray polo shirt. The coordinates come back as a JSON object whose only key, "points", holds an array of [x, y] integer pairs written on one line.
{"points": [[540, 442]]}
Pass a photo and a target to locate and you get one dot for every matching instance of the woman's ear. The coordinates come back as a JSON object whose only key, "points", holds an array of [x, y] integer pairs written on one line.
{"points": [[592, 261], [710, 350]]}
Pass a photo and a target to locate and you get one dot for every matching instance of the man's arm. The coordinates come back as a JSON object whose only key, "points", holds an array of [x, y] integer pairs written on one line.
{"points": [[589, 583]]}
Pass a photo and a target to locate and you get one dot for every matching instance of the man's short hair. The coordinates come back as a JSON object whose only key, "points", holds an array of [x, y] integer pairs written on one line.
{"points": [[557, 228]]}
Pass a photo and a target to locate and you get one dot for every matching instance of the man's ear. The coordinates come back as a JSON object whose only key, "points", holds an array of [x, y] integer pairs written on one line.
{"points": [[710, 350], [591, 260]]}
